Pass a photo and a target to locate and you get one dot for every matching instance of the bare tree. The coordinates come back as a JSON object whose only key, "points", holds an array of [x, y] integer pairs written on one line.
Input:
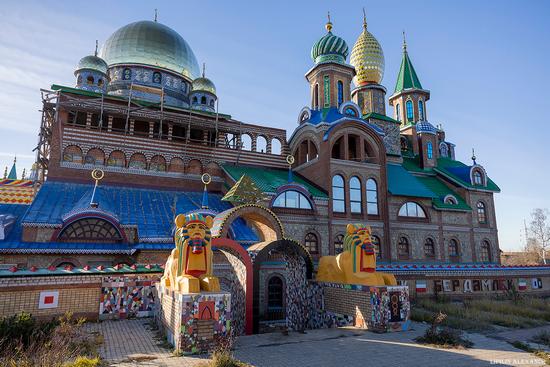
{"points": [[539, 239]]}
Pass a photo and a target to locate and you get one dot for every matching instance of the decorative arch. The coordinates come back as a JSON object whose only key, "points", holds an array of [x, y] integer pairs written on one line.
{"points": [[194, 167], [214, 169], [176, 165], [246, 142], [478, 177], [137, 161], [268, 224], [304, 115], [66, 260], [158, 163], [450, 199], [347, 108], [90, 227], [261, 144], [117, 158], [276, 146], [95, 156], [373, 144], [72, 153]]}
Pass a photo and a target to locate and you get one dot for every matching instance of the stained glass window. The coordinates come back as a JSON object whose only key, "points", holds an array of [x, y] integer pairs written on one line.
{"points": [[409, 106], [430, 150], [340, 92]]}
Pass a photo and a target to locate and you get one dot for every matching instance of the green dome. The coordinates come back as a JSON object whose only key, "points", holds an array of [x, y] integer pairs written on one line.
{"points": [[153, 44], [329, 48], [204, 84], [92, 62]]}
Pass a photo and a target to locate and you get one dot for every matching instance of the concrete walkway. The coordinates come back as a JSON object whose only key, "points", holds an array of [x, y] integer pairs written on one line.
{"points": [[525, 336], [132, 343]]}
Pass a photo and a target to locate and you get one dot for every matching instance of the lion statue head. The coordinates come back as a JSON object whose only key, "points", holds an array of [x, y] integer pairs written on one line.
{"points": [[359, 243]]}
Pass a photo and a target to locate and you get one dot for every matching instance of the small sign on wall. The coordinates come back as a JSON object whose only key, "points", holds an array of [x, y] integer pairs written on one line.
{"points": [[48, 299]]}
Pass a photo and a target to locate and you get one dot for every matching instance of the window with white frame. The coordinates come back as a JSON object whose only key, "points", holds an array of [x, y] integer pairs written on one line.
{"points": [[412, 209], [355, 195], [372, 197], [292, 199], [338, 195]]}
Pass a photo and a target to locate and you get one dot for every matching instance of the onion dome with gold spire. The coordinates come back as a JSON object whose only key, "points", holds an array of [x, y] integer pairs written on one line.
{"points": [[329, 48], [367, 58]]}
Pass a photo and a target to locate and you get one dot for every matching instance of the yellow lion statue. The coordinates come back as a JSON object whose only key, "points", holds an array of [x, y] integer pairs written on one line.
{"points": [[189, 266], [357, 264]]}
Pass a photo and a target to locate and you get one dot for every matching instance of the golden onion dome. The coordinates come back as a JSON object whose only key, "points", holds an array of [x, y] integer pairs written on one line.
{"points": [[367, 58], [204, 85]]}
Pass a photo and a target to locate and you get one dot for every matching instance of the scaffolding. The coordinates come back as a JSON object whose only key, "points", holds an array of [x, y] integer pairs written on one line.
{"points": [[50, 104]]}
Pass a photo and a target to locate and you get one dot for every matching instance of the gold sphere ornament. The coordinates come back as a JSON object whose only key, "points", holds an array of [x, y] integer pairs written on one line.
{"points": [[206, 178], [290, 159]]}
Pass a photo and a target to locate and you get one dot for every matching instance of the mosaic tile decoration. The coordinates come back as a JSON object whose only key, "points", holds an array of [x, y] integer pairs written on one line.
{"points": [[127, 296]]}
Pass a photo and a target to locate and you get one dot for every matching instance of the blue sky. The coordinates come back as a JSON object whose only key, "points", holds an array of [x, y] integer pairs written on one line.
{"points": [[486, 64]]}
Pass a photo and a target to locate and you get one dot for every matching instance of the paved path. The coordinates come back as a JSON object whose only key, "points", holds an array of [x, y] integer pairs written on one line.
{"points": [[132, 343], [524, 335]]}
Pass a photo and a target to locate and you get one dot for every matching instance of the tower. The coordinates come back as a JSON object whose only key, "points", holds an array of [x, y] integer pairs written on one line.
{"points": [[367, 58], [91, 73], [409, 98], [203, 94], [330, 78]]}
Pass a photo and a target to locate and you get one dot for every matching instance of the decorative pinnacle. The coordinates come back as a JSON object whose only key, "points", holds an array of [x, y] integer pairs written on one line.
{"points": [[328, 26], [6, 173], [364, 19], [95, 52], [156, 14], [203, 69], [404, 42], [473, 156]]}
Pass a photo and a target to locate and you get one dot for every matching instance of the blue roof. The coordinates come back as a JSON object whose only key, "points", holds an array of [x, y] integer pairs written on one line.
{"points": [[151, 211]]}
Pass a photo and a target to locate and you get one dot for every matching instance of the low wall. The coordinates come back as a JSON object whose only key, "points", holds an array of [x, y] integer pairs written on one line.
{"points": [[99, 295], [384, 308]]}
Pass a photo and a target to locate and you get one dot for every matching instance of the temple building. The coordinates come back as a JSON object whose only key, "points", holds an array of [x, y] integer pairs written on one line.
{"points": [[144, 112]]}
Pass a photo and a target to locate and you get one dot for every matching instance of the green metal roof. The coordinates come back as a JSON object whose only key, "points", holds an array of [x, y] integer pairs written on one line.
{"points": [[378, 116], [407, 78], [402, 182], [270, 179], [441, 191], [125, 269]]}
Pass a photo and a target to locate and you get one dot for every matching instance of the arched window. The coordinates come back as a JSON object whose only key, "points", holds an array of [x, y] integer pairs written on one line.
{"points": [[339, 244], [261, 144], [411, 209], [376, 243], [292, 199], [485, 253], [355, 194], [100, 83], [311, 243], [338, 195], [212, 103], [276, 147], [481, 213], [430, 150], [403, 248], [372, 197], [157, 78], [453, 248], [90, 80], [316, 96], [90, 230], [409, 107], [351, 112], [246, 142], [203, 100], [450, 199], [275, 298], [127, 74], [79, 80], [195, 100], [444, 150], [340, 92], [421, 110], [429, 248], [478, 178], [398, 112]]}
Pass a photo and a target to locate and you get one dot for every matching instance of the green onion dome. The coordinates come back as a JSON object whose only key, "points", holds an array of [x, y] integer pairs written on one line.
{"points": [[152, 44], [92, 62], [204, 84], [329, 48]]}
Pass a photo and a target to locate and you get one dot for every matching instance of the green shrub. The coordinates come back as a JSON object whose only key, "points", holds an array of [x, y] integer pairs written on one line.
{"points": [[84, 362]]}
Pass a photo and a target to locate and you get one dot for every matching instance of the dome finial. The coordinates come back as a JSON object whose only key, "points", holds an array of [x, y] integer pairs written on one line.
{"points": [[328, 26], [156, 14], [203, 69], [95, 52], [474, 156], [404, 42], [364, 19]]}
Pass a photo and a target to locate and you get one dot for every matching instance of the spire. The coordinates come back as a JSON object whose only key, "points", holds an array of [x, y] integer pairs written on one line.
{"points": [[407, 78], [206, 179], [95, 52], [156, 14], [13, 171], [328, 26], [364, 20], [203, 69], [6, 173], [474, 156]]}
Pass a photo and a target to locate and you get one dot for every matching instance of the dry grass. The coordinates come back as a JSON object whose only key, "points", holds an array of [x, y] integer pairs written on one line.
{"points": [[65, 344], [483, 314]]}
